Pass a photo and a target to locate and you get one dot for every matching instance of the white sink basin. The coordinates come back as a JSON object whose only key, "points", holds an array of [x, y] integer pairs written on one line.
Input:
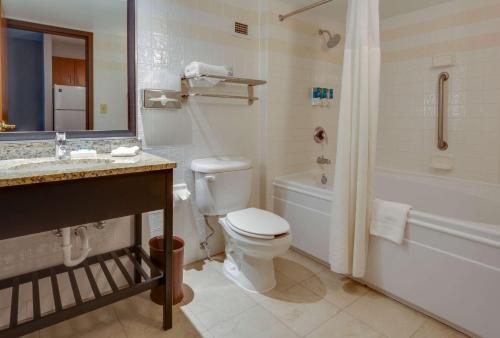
{"points": [[60, 165]]}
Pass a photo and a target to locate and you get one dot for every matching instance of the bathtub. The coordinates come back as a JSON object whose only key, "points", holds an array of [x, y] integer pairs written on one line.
{"points": [[449, 263]]}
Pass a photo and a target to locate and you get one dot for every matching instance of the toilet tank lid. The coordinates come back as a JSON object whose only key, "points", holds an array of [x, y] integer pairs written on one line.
{"points": [[220, 164]]}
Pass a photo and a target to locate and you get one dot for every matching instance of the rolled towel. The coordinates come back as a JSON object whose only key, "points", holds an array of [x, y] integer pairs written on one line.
{"points": [[199, 68], [389, 220], [125, 151]]}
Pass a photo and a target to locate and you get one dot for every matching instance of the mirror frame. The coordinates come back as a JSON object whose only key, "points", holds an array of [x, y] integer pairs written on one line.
{"points": [[132, 97]]}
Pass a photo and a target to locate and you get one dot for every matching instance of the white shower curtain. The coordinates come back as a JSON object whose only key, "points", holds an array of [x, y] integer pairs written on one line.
{"points": [[357, 135]]}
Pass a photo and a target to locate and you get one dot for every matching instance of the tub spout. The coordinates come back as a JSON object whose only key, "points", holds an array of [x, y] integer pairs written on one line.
{"points": [[67, 246]]}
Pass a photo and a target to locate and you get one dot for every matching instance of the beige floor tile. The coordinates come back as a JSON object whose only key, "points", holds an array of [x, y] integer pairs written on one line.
{"points": [[385, 315], [142, 318], [344, 325], [32, 335], [283, 283], [99, 323], [217, 299], [434, 329], [306, 301], [255, 322], [201, 275], [297, 266], [299, 309], [337, 289], [195, 322]]}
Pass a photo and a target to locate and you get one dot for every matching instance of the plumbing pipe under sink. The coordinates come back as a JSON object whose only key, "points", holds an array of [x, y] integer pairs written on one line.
{"points": [[67, 246]]}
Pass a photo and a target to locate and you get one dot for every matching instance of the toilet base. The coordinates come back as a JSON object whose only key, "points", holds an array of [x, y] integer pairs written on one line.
{"points": [[249, 261], [253, 274]]}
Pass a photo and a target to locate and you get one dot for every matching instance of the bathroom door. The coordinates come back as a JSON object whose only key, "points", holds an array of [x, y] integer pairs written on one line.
{"points": [[3, 66]]}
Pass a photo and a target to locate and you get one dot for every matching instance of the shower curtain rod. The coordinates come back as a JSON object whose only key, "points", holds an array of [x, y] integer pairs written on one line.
{"points": [[316, 4]]}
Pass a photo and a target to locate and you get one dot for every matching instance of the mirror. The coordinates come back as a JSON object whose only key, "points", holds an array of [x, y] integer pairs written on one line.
{"points": [[67, 66]]}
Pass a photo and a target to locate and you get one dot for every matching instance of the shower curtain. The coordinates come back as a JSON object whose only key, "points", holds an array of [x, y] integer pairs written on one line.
{"points": [[357, 134]]}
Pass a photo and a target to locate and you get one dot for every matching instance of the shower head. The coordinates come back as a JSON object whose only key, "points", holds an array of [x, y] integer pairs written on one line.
{"points": [[332, 41]]}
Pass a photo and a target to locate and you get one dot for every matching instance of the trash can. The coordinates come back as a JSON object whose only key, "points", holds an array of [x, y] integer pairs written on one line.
{"points": [[157, 253]]}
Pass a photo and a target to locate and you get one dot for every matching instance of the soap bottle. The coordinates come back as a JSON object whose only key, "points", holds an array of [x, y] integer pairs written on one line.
{"points": [[314, 96]]}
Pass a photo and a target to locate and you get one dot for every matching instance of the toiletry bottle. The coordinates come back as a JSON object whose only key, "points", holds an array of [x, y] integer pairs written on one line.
{"points": [[314, 96]]}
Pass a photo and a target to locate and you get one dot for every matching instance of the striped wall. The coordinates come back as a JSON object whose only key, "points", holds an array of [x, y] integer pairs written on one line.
{"points": [[294, 59], [468, 32]]}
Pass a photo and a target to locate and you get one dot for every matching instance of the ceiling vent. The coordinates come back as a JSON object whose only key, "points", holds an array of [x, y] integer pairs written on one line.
{"points": [[241, 28]]}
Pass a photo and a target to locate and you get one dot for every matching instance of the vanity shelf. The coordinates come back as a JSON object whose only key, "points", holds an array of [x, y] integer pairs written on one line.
{"points": [[58, 199], [137, 282], [250, 83]]}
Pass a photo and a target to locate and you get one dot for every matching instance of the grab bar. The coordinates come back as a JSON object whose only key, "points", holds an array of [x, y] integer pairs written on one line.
{"points": [[441, 144]]}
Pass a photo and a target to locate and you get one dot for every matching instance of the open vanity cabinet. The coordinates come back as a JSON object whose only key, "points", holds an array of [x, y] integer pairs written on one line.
{"points": [[38, 207]]}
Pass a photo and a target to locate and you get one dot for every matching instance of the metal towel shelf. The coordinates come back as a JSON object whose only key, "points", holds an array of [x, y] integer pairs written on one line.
{"points": [[250, 83]]}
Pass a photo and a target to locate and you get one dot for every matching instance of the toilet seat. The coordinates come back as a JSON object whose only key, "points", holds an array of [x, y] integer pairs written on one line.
{"points": [[257, 223]]}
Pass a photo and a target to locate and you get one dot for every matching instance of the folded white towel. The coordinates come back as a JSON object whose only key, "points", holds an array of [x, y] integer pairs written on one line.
{"points": [[125, 151], [199, 68], [83, 154], [389, 220]]}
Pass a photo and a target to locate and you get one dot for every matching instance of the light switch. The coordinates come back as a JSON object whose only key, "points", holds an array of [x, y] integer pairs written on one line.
{"points": [[103, 108]]}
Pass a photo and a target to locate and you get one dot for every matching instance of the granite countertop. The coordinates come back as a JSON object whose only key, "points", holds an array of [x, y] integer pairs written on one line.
{"points": [[47, 169]]}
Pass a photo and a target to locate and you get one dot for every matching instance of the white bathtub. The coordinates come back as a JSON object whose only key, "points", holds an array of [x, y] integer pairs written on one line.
{"points": [[449, 263]]}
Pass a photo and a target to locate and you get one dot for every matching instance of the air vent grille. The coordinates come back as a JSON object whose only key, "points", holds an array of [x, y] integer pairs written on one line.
{"points": [[241, 28]]}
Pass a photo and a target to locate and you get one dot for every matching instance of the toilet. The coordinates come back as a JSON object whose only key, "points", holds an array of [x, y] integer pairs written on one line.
{"points": [[253, 237]]}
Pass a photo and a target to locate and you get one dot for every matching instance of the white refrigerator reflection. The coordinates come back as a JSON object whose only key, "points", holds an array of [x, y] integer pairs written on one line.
{"points": [[69, 108]]}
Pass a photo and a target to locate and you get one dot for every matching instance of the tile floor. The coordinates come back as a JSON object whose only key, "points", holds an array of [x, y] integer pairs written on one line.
{"points": [[309, 301]]}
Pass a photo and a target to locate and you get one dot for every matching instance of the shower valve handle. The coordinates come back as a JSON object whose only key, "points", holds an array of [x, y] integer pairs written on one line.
{"points": [[320, 135]]}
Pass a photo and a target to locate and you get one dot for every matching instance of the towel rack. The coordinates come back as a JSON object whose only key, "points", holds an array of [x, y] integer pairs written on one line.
{"points": [[250, 83]]}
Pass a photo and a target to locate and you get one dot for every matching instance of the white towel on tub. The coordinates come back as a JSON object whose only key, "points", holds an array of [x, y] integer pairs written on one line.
{"points": [[389, 220]]}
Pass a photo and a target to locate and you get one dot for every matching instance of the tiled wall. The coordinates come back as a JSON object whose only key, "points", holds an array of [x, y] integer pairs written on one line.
{"points": [[171, 34], [469, 32], [295, 59]]}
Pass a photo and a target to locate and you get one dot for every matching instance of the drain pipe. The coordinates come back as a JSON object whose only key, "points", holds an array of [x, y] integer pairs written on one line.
{"points": [[67, 246]]}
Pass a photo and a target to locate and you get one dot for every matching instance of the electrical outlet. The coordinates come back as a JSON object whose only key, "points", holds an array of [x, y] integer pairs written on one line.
{"points": [[103, 108]]}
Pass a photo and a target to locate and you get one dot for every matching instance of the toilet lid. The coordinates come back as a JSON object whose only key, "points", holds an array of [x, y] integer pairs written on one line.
{"points": [[258, 223]]}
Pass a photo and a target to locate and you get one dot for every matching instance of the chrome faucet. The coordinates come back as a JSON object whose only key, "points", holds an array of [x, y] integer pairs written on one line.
{"points": [[61, 149], [322, 160]]}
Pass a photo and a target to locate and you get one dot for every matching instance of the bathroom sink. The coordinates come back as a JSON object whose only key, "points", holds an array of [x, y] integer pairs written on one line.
{"points": [[60, 165]]}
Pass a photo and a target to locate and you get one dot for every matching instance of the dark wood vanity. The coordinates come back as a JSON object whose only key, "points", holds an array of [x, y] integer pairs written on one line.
{"points": [[34, 203]]}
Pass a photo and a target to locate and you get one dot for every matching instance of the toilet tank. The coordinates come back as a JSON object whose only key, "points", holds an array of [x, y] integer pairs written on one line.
{"points": [[222, 184]]}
